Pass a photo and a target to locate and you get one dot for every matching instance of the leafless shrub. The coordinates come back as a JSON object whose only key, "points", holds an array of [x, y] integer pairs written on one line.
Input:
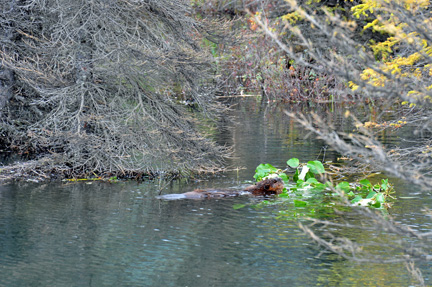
{"points": [[405, 244], [94, 82], [364, 147]]}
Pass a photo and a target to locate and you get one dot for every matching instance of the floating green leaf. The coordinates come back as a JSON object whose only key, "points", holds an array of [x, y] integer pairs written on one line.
{"points": [[309, 175], [371, 195], [380, 197], [316, 166], [365, 182], [356, 199], [312, 180], [318, 187], [384, 184], [284, 194], [300, 203], [376, 204], [296, 175], [238, 206], [284, 177], [263, 170], [293, 162], [343, 186]]}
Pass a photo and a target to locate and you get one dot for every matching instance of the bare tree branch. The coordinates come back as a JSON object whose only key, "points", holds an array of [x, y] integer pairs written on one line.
{"points": [[97, 81]]}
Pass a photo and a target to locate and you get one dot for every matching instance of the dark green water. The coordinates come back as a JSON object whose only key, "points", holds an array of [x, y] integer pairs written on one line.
{"points": [[100, 234]]}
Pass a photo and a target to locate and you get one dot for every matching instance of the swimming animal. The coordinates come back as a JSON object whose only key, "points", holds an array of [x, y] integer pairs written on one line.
{"points": [[267, 187]]}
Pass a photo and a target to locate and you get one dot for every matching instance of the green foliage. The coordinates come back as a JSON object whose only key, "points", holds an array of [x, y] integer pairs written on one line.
{"points": [[343, 186], [306, 195], [264, 171], [300, 203], [293, 162], [303, 177], [316, 167], [371, 195], [238, 206]]}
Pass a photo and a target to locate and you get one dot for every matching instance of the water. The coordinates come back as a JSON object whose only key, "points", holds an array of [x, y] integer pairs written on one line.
{"points": [[101, 234]]}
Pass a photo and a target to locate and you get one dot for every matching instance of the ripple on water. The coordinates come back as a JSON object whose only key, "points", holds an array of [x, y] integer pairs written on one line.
{"points": [[121, 235]]}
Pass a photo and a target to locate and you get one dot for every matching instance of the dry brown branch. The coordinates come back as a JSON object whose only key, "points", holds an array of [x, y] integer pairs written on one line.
{"points": [[363, 146], [96, 82], [378, 232]]}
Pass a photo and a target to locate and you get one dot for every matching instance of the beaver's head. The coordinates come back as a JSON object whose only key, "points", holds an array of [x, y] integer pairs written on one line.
{"points": [[268, 187]]}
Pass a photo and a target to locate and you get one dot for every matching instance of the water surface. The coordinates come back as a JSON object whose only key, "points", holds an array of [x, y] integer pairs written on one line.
{"points": [[101, 234]]}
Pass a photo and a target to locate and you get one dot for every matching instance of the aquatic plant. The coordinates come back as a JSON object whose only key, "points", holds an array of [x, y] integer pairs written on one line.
{"points": [[309, 180]]}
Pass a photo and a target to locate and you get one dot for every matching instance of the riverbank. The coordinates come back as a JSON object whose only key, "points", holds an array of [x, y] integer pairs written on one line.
{"points": [[46, 169]]}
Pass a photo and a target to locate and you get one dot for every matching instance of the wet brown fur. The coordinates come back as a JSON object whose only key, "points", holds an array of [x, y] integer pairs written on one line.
{"points": [[265, 187]]}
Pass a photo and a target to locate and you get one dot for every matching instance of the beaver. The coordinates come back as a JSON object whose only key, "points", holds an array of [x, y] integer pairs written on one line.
{"points": [[267, 187]]}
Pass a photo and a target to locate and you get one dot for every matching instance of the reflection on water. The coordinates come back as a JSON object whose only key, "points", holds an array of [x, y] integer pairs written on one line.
{"points": [[101, 234]]}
